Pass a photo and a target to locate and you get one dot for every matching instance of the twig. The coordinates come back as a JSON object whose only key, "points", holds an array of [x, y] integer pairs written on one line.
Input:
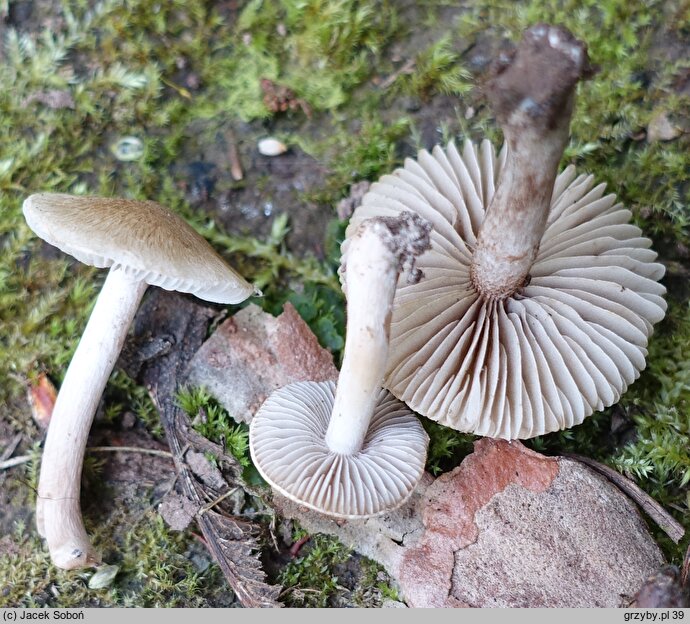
{"points": [[220, 499], [23, 459], [130, 449], [654, 510], [295, 548], [235, 163], [15, 461], [407, 68], [11, 447]]}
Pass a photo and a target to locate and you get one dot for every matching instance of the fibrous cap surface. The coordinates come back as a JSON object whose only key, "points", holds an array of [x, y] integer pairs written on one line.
{"points": [[147, 240]]}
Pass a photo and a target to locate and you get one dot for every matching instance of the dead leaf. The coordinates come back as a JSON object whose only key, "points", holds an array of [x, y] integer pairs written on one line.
{"points": [[42, 395]]}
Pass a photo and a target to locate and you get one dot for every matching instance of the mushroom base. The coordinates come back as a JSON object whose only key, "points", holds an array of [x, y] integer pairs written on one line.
{"points": [[288, 448]]}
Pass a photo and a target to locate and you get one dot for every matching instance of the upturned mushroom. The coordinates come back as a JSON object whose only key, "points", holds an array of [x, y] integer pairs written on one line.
{"points": [[143, 243], [540, 296], [352, 451]]}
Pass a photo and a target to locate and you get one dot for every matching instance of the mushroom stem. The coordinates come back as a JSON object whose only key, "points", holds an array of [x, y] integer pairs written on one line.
{"points": [[377, 254], [532, 96], [58, 515], [372, 274]]}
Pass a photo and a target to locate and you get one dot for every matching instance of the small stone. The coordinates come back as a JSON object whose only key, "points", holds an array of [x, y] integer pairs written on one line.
{"points": [[129, 419], [411, 104], [103, 577], [128, 149], [271, 147], [661, 128]]}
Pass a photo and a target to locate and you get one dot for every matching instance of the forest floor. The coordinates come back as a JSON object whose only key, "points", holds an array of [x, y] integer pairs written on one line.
{"points": [[167, 101]]}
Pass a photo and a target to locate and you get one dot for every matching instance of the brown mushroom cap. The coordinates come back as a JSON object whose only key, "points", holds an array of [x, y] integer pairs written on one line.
{"points": [[567, 343], [287, 445], [149, 241]]}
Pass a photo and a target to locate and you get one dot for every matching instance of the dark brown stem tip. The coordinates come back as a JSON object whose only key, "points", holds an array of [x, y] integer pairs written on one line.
{"points": [[407, 236], [532, 85]]}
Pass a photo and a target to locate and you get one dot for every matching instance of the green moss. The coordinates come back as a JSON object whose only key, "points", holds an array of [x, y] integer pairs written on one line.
{"points": [[447, 447], [213, 422], [438, 69], [325, 573], [309, 580], [154, 571], [321, 49], [123, 394]]}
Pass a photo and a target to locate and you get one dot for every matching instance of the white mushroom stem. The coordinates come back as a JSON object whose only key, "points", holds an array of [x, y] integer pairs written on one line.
{"points": [[58, 513], [532, 96], [377, 254]]}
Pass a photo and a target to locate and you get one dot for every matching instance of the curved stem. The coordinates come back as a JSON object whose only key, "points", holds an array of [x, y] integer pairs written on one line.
{"points": [[58, 513], [378, 252], [532, 97], [371, 277]]}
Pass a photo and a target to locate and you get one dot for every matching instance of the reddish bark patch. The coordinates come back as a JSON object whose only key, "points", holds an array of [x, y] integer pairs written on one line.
{"points": [[425, 570], [253, 354]]}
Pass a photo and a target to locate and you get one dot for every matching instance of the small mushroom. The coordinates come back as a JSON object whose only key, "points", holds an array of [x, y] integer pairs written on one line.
{"points": [[143, 244], [352, 451], [540, 296]]}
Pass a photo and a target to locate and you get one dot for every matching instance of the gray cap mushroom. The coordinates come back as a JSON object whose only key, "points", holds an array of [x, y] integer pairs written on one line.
{"points": [[142, 243], [352, 451], [540, 296]]}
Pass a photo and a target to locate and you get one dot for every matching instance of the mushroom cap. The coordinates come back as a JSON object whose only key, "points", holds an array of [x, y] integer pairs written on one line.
{"points": [[286, 440], [147, 240], [567, 343]]}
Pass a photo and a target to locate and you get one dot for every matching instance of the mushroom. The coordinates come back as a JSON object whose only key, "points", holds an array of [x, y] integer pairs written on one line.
{"points": [[353, 451], [144, 244], [540, 296]]}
